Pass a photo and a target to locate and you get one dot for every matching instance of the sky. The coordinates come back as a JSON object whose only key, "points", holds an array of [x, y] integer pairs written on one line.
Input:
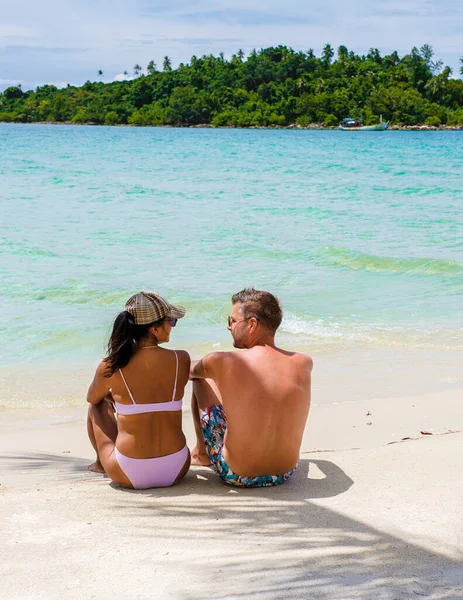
{"points": [[69, 41]]}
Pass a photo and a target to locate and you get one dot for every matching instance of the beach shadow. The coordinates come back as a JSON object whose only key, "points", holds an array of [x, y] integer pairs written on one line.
{"points": [[46, 464], [329, 480], [280, 544], [286, 542]]}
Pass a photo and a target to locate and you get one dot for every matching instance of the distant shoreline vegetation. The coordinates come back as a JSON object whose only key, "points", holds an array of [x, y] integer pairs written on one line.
{"points": [[273, 87]]}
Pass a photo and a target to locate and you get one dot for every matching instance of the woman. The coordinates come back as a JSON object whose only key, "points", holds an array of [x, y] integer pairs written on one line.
{"points": [[144, 384]]}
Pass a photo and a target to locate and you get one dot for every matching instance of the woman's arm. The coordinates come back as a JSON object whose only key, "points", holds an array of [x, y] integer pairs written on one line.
{"points": [[100, 385]]}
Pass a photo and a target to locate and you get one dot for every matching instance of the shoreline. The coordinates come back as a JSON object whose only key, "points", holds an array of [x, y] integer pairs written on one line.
{"points": [[341, 374], [292, 126]]}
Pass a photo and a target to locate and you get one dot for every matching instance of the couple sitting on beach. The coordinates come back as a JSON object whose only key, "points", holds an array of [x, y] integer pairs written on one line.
{"points": [[249, 408]]}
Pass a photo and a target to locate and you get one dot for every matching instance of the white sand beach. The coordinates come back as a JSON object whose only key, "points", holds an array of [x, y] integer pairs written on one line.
{"points": [[363, 517]]}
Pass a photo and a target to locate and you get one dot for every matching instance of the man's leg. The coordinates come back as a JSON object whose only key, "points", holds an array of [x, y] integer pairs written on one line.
{"points": [[205, 393]]}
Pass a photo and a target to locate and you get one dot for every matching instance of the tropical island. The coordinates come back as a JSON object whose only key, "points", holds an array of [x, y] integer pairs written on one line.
{"points": [[272, 87]]}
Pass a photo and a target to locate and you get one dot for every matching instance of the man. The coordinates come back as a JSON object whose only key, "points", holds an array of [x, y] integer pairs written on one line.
{"points": [[250, 408]]}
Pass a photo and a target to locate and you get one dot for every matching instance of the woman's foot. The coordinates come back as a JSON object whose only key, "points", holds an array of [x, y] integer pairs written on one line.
{"points": [[96, 467], [198, 459]]}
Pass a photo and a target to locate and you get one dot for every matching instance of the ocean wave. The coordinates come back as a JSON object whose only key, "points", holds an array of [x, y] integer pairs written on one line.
{"points": [[324, 331], [359, 261]]}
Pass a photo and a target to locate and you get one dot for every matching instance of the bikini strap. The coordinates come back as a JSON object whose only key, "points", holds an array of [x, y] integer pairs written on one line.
{"points": [[128, 389], [176, 373]]}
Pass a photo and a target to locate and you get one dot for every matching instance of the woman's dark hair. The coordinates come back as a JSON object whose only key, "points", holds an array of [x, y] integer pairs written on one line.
{"points": [[123, 341]]}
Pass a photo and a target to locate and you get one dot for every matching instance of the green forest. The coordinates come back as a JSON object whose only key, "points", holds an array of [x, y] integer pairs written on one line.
{"points": [[274, 86]]}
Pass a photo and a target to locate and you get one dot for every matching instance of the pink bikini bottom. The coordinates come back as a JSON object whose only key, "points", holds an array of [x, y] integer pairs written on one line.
{"points": [[145, 473]]}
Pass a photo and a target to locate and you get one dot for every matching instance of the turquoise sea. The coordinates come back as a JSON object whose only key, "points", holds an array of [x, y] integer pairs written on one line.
{"points": [[359, 234]]}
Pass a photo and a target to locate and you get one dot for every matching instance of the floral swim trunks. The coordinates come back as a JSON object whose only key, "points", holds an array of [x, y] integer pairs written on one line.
{"points": [[214, 425]]}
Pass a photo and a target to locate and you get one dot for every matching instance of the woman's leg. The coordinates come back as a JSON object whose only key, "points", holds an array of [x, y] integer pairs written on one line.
{"points": [[95, 467], [102, 432], [205, 394], [184, 469]]}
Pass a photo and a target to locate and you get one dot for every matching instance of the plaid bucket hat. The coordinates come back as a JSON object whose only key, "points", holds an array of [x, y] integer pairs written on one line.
{"points": [[147, 307]]}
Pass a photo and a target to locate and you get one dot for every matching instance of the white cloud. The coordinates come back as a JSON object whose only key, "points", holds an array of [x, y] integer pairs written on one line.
{"points": [[122, 77], [59, 84]]}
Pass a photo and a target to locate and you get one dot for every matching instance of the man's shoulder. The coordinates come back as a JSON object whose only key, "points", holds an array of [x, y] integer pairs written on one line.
{"points": [[303, 358], [218, 357], [304, 361], [215, 363]]}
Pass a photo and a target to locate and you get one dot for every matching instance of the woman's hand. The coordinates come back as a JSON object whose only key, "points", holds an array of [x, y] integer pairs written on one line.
{"points": [[110, 400]]}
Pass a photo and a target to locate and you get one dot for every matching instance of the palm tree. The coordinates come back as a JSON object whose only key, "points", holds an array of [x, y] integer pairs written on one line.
{"points": [[436, 67], [327, 54], [167, 64], [427, 53], [126, 74], [342, 53], [446, 72], [137, 70], [100, 74], [240, 55], [461, 67], [151, 68]]}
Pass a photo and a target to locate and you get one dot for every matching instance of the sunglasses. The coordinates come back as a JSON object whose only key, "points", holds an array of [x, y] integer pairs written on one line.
{"points": [[232, 322], [172, 322]]}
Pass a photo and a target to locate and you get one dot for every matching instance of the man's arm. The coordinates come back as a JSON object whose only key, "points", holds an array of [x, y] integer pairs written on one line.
{"points": [[206, 367], [100, 386], [197, 370]]}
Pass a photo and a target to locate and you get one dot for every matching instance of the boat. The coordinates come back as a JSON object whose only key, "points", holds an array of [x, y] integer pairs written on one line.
{"points": [[353, 125]]}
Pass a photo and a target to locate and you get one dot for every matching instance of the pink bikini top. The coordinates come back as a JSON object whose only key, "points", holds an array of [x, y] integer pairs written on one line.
{"points": [[138, 409]]}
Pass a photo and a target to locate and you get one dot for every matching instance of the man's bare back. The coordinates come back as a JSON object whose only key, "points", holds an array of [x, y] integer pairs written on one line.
{"points": [[265, 393]]}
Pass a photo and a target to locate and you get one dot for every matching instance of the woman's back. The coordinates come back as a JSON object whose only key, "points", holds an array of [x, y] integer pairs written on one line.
{"points": [[148, 394]]}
